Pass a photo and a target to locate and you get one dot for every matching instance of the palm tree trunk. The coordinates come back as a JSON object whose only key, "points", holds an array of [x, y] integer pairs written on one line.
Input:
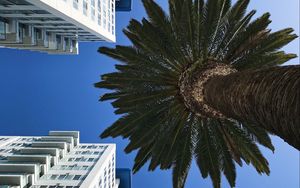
{"points": [[269, 98]]}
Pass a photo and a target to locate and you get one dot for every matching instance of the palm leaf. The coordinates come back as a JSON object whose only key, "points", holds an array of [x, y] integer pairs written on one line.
{"points": [[146, 86], [184, 155]]}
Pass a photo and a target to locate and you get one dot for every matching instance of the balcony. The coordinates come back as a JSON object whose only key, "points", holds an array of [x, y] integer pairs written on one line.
{"points": [[40, 151], [30, 172], [68, 139], [74, 134], [41, 159], [14, 180]]}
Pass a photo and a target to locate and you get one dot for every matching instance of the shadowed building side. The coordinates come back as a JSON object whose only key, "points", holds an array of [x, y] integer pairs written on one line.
{"points": [[124, 176], [55, 26]]}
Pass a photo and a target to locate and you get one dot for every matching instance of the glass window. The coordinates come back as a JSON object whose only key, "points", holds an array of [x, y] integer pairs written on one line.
{"points": [[71, 159], [99, 12], [53, 177], [104, 23], [86, 152], [85, 167], [77, 177], [38, 33], [99, 5], [62, 177], [69, 177], [99, 18], [58, 39], [77, 159], [100, 182], [76, 167], [73, 43], [93, 12], [85, 7], [75, 4], [104, 13], [65, 42]]}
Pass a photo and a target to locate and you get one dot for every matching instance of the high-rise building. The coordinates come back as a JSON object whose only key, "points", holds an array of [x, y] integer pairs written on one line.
{"points": [[55, 26], [123, 5], [58, 160], [124, 175]]}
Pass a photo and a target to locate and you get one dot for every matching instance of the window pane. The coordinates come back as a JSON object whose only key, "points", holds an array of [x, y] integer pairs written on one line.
{"points": [[76, 168], [61, 177], [76, 177], [69, 177], [85, 7], [85, 167], [53, 177], [77, 159], [75, 4]]}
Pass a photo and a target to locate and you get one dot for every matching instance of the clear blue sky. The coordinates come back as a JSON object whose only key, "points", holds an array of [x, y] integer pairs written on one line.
{"points": [[42, 92]]}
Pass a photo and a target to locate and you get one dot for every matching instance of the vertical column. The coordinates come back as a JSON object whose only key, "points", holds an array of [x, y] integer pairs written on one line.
{"points": [[32, 34], [45, 37], [63, 43], [17, 28], [52, 41], [2, 30], [71, 49]]}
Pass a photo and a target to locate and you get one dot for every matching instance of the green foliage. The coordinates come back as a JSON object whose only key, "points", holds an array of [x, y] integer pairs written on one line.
{"points": [[146, 92]]}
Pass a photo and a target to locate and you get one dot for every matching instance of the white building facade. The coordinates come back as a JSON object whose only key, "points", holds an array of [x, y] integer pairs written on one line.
{"points": [[56, 161], [55, 26]]}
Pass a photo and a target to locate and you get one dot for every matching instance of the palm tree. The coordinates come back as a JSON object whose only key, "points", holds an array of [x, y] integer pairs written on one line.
{"points": [[203, 82]]}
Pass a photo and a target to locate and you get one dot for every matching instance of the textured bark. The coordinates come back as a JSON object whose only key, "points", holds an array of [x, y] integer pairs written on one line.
{"points": [[269, 98], [191, 86]]}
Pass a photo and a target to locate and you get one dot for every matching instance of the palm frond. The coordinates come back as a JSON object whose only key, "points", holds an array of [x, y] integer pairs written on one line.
{"points": [[258, 134], [142, 157], [146, 86], [207, 156], [184, 155]]}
